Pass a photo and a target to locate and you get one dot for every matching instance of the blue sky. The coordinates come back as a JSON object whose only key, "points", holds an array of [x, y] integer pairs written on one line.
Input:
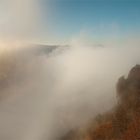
{"points": [[99, 17]]}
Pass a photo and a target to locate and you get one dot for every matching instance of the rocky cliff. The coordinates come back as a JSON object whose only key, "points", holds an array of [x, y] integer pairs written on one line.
{"points": [[123, 121]]}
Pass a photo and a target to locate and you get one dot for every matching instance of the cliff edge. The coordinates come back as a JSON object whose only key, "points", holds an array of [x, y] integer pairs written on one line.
{"points": [[120, 123]]}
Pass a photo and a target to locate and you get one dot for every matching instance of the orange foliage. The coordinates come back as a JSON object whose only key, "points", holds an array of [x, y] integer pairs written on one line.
{"points": [[133, 131], [103, 132]]}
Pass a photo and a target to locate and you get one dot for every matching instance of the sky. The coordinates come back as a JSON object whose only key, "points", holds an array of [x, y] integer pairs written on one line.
{"points": [[60, 21], [99, 18]]}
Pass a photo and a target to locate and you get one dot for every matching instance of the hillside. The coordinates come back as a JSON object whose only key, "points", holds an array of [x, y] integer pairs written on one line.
{"points": [[123, 121]]}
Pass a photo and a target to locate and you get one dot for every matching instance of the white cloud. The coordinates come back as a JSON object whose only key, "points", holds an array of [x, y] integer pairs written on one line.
{"points": [[19, 19]]}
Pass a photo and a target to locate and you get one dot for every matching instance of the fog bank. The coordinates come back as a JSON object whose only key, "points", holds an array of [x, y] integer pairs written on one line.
{"points": [[44, 96]]}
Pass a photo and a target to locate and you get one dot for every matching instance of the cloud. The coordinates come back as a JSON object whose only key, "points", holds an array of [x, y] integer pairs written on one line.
{"points": [[49, 95], [20, 19], [85, 84]]}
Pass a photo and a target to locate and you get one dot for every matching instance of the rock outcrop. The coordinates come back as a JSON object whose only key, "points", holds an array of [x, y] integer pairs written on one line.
{"points": [[131, 83], [128, 90], [121, 123]]}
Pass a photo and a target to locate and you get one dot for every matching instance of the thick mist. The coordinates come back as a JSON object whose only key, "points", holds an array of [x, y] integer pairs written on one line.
{"points": [[20, 20], [42, 96], [45, 95]]}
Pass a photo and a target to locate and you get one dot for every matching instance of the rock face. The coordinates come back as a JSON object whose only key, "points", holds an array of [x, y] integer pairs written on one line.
{"points": [[134, 73], [124, 120], [128, 90], [133, 80], [123, 123]]}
